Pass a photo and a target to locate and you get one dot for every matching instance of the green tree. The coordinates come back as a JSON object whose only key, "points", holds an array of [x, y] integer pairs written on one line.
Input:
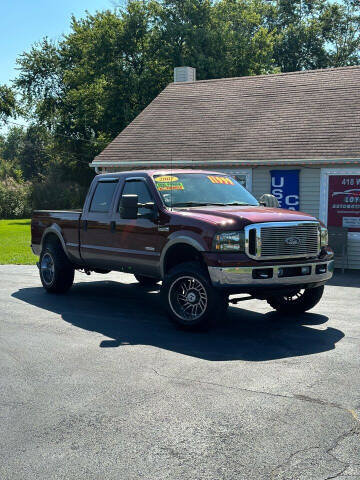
{"points": [[34, 154], [7, 102], [93, 83], [315, 33], [245, 41], [12, 143], [82, 91], [341, 23], [300, 42]]}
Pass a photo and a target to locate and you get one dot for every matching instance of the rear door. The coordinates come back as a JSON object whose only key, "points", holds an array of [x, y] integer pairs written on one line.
{"points": [[95, 226]]}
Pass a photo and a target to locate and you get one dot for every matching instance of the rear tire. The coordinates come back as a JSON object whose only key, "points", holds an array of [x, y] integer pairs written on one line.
{"points": [[56, 272], [192, 303], [298, 303], [146, 281]]}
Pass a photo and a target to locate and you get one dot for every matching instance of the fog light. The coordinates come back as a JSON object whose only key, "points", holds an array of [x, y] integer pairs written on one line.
{"points": [[321, 269], [305, 270], [263, 273]]}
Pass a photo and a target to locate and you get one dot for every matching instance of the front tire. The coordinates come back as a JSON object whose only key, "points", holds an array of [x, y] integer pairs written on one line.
{"points": [[191, 301], [56, 272], [300, 302]]}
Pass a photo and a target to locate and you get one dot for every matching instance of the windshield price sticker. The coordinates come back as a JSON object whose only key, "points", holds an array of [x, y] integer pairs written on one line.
{"points": [[167, 186], [222, 180], [166, 179]]}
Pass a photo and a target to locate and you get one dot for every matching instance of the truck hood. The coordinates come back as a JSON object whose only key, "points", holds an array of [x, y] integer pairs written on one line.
{"points": [[241, 216]]}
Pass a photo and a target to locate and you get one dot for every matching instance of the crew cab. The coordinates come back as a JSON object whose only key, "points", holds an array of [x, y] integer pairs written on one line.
{"points": [[200, 233]]}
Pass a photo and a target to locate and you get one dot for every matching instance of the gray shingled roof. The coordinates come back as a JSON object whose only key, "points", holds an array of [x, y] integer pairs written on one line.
{"points": [[302, 115]]}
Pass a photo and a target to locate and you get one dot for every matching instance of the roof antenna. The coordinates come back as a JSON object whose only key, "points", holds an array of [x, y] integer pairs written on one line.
{"points": [[171, 174]]}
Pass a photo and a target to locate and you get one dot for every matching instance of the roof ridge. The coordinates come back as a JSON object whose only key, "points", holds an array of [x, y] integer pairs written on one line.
{"points": [[268, 75]]}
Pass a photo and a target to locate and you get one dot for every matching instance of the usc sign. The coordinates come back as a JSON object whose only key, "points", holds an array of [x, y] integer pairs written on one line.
{"points": [[285, 187]]}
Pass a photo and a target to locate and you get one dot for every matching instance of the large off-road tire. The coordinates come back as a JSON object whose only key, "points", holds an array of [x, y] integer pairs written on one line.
{"points": [[146, 281], [300, 302], [191, 301], [56, 272]]}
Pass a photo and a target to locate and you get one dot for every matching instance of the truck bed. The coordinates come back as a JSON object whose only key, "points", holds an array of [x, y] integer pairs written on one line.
{"points": [[66, 222]]}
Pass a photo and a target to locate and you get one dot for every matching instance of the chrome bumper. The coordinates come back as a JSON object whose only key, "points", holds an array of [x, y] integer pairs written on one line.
{"points": [[280, 275]]}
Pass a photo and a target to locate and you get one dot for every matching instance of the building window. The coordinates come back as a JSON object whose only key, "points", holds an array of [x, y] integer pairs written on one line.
{"points": [[243, 176]]}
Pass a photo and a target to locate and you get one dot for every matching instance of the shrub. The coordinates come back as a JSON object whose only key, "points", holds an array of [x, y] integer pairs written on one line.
{"points": [[15, 199]]}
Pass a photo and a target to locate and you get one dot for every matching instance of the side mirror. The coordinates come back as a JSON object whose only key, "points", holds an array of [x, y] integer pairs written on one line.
{"points": [[129, 207], [269, 200], [152, 214]]}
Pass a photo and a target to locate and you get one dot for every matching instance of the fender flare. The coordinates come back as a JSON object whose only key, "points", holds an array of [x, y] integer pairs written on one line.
{"points": [[56, 230], [181, 239]]}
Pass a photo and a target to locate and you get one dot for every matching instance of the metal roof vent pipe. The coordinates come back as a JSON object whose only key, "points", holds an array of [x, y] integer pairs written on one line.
{"points": [[184, 74]]}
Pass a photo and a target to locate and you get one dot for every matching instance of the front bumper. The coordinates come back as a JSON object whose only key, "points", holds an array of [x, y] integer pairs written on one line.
{"points": [[272, 275]]}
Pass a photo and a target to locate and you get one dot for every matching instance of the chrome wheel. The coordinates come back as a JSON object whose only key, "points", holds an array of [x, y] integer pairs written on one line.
{"points": [[47, 269], [188, 298], [299, 301], [294, 296]]}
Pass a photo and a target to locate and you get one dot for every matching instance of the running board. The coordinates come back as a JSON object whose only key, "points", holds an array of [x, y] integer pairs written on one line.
{"points": [[241, 299]]}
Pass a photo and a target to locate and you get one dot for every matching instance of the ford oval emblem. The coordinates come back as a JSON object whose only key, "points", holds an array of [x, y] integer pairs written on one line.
{"points": [[292, 241]]}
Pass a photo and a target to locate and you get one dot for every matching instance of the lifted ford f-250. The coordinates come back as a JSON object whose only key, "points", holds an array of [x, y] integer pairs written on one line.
{"points": [[201, 233]]}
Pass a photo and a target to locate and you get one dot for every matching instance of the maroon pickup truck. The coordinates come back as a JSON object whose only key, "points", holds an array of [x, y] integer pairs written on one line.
{"points": [[201, 233]]}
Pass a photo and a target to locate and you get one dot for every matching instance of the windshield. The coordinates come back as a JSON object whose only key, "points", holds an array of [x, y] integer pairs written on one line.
{"points": [[200, 189]]}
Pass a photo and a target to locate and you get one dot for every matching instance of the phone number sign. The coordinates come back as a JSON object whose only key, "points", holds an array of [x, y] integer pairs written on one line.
{"points": [[344, 201]]}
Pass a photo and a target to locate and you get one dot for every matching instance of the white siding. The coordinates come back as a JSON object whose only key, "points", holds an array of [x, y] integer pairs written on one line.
{"points": [[354, 250], [309, 186]]}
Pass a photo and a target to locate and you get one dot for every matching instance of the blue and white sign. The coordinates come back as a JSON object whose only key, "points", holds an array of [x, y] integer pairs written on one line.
{"points": [[285, 187]]}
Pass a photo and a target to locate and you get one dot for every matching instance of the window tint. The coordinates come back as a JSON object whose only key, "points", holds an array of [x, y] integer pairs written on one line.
{"points": [[103, 195], [137, 187]]}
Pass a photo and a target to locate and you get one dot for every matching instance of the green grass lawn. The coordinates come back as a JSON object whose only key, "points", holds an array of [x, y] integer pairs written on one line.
{"points": [[15, 243]]}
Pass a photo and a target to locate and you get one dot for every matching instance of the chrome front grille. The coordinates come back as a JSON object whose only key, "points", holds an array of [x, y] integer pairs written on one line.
{"points": [[267, 241]]}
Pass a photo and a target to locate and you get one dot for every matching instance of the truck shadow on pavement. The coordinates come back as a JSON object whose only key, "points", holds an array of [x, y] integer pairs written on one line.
{"points": [[350, 278], [128, 314]]}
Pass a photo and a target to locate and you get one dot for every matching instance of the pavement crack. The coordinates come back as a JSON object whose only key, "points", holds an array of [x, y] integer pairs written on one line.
{"points": [[303, 398], [328, 451], [289, 458], [339, 439], [337, 475]]}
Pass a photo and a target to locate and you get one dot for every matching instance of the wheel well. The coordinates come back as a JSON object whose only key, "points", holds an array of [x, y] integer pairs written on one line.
{"points": [[181, 253], [50, 238]]}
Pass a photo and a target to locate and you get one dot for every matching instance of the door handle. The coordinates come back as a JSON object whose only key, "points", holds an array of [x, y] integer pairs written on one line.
{"points": [[84, 225], [113, 226]]}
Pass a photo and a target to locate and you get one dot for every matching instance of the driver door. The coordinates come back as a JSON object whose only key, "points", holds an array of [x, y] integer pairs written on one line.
{"points": [[137, 241]]}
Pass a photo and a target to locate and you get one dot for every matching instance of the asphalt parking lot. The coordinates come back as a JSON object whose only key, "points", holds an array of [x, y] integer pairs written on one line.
{"points": [[97, 384]]}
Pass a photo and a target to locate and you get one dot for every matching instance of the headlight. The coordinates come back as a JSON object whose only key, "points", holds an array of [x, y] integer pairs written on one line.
{"points": [[229, 242], [324, 237]]}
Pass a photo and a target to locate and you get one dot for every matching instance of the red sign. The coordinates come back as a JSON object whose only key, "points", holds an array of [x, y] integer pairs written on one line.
{"points": [[344, 201]]}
